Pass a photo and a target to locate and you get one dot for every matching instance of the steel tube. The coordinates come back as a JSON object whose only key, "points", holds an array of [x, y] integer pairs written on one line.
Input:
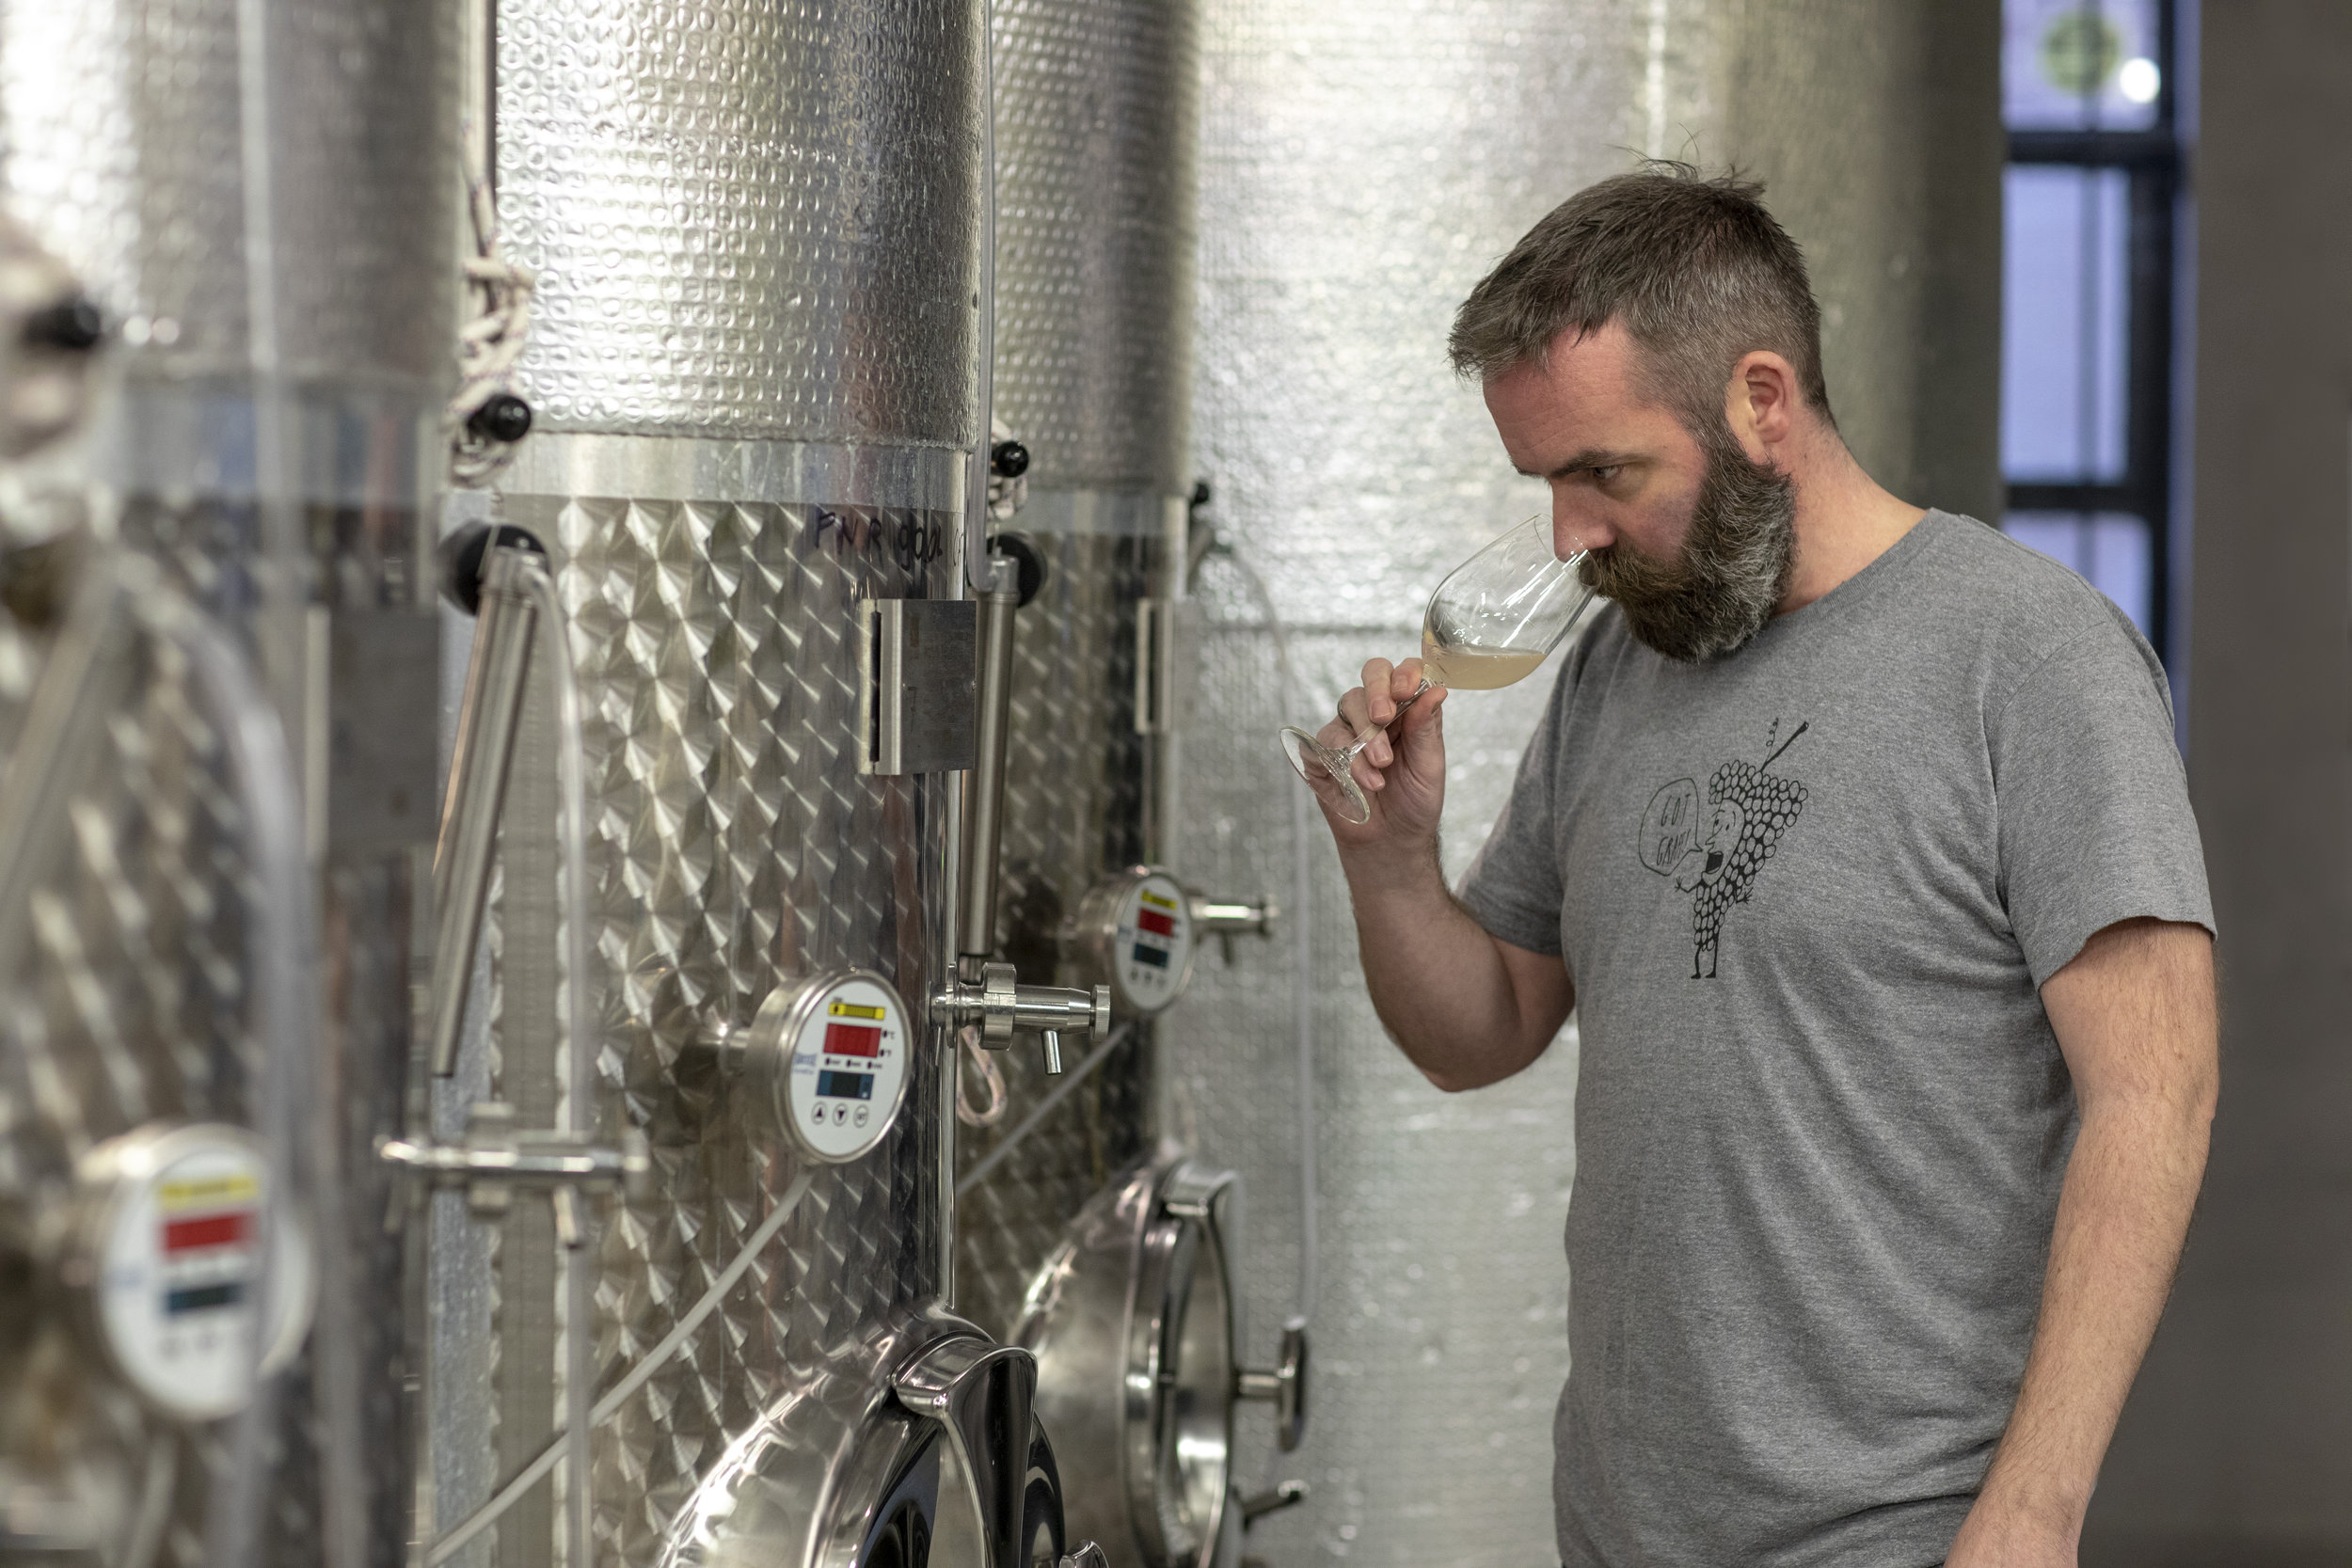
{"points": [[477, 785], [984, 786]]}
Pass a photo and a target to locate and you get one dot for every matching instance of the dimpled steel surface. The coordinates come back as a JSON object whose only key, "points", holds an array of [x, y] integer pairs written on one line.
{"points": [[1362, 165], [750, 218], [1097, 122], [735, 846]]}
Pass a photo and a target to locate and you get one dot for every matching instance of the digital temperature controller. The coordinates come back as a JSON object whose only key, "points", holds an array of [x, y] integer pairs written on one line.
{"points": [[831, 1053]]}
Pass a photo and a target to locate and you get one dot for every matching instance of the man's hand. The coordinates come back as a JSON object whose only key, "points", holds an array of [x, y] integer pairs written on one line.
{"points": [[2135, 1018], [1401, 771]]}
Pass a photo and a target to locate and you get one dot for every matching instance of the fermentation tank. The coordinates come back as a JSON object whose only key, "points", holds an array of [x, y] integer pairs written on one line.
{"points": [[753, 227], [1081, 1230], [217, 703], [1362, 165]]}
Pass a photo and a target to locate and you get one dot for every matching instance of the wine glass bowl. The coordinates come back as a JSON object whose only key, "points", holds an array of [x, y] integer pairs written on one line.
{"points": [[1493, 620]]}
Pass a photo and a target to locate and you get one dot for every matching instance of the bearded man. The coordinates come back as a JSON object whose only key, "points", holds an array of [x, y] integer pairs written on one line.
{"points": [[1856, 835]]}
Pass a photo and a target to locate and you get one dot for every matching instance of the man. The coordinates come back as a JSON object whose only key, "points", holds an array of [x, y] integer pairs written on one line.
{"points": [[1856, 835]]}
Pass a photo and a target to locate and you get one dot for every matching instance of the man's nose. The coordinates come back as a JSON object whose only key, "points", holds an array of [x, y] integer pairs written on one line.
{"points": [[1575, 528]]}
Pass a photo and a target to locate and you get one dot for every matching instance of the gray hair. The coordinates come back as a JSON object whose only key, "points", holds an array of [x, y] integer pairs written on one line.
{"points": [[1693, 266]]}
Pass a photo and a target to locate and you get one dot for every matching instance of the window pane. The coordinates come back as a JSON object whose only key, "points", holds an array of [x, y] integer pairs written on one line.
{"points": [[2074, 65], [2112, 549], [2063, 324]]}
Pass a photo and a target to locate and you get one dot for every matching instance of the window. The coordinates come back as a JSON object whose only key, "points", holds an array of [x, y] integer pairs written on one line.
{"points": [[2088, 95]]}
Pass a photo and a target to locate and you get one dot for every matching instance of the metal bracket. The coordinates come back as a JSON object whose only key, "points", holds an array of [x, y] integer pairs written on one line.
{"points": [[494, 1160]]}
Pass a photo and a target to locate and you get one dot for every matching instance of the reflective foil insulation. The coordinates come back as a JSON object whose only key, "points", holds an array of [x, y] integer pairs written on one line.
{"points": [[257, 199], [1362, 166], [754, 230], [1096, 108]]}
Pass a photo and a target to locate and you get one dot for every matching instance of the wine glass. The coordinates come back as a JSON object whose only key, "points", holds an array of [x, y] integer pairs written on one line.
{"points": [[1491, 622]]}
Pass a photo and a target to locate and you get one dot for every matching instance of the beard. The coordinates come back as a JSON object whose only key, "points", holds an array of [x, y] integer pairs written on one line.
{"points": [[1733, 571]]}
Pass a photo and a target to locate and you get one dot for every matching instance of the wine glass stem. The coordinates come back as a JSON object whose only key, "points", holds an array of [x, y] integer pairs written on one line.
{"points": [[1370, 730]]}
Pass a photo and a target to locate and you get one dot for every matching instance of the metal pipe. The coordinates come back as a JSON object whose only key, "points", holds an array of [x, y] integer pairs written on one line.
{"points": [[477, 788], [579, 1280], [984, 786], [976, 571]]}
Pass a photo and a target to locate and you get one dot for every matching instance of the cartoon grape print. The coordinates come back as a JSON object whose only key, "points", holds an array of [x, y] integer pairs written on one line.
{"points": [[1750, 810]]}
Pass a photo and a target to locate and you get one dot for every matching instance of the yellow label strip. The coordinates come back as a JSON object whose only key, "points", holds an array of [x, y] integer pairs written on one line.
{"points": [[850, 1009], [205, 1191]]}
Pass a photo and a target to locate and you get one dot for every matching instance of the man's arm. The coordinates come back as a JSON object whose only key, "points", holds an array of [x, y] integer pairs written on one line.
{"points": [[2135, 1017], [1468, 1008]]}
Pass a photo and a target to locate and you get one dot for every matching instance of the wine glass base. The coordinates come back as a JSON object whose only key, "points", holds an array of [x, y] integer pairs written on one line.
{"points": [[1330, 773]]}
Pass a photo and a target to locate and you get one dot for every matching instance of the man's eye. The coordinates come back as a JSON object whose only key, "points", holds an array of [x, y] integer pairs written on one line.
{"points": [[1607, 472]]}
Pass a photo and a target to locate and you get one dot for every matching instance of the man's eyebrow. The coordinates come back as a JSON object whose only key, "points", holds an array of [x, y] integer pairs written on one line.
{"points": [[1591, 457]]}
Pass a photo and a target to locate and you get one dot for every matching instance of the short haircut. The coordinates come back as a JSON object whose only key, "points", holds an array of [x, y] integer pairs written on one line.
{"points": [[1691, 264]]}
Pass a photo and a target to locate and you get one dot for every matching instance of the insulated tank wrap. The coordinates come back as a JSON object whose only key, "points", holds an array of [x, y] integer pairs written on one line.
{"points": [[749, 219], [1362, 165], [754, 230], [123, 124], [1096, 126]]}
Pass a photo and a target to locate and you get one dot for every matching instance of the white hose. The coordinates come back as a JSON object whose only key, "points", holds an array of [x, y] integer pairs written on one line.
{"points": [[1028, 1124]]}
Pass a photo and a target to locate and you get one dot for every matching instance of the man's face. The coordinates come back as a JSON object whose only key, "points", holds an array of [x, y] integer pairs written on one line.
{"points": [[1692, 539]]}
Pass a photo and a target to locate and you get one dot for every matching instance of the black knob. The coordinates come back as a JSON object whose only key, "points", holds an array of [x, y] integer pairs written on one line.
{"points": [[461, 555], [1029, 567], [74, 326], [504, 418], [1009, 459]]}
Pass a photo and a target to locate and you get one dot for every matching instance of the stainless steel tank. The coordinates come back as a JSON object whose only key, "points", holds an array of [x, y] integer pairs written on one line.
{"points": [[1362, 164], [257, 197], [1096, 124], [755, 228]]}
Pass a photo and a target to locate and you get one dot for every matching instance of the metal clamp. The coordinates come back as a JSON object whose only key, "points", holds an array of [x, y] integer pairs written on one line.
{"points": [[1227, 918], [495, 1159], [1000, 1004], [1285, 1386]]}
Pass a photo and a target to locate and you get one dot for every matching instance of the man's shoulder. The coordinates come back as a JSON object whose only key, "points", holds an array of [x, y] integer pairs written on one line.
{"points": [[2016, 607]]}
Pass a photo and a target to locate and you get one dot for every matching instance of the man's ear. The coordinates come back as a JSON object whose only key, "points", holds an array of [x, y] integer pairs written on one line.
{"points": [[1760, 402]]}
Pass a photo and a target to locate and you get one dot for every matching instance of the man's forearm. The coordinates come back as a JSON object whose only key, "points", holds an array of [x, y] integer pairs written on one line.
{"points": [[2130, 1188], [1435, 975]]}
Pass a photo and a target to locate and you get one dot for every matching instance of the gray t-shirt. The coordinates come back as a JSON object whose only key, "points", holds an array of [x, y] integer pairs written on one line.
{"points": [[1809, 895]]}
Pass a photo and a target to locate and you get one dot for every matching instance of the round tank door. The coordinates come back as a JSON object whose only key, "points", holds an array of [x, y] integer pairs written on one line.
{"points": [[917, 1449], [1131, 1321]]}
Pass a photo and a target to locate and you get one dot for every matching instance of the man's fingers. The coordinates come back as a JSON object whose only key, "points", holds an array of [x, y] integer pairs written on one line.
{"points": [[1404, 680], [1379, 682]]}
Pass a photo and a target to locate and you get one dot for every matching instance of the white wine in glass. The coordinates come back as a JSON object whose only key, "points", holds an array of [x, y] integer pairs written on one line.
{"points": [[1493, 620]]}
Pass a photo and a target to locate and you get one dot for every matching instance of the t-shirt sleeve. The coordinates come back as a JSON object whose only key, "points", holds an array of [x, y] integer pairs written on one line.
{"points": [[1513, 887], [2094, 819]]}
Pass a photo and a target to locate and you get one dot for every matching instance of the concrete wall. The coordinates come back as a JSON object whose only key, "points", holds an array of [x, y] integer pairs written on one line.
{"points": [[2236, 1448]]}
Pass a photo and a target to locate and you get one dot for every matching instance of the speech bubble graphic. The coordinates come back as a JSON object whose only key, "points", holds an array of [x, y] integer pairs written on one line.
{"points": [[1670, 826]]}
